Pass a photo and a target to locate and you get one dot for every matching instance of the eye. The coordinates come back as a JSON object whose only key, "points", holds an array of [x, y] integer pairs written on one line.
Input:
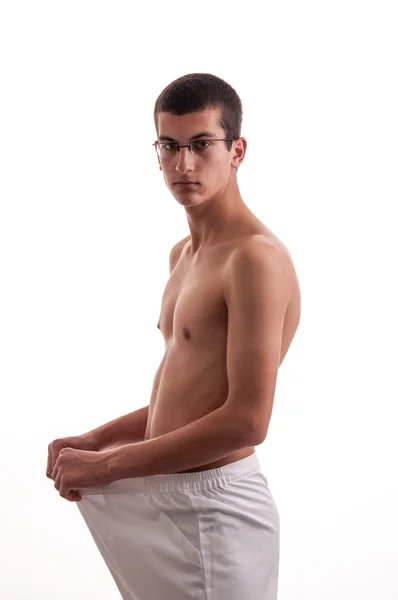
{"points": [[201, 144], [170, 146]]}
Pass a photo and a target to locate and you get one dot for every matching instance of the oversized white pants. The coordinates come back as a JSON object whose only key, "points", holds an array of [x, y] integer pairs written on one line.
{"points": [[208, 535]]}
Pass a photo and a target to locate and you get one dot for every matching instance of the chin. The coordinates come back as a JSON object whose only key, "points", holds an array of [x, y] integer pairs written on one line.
{"points": [[184, 195]]}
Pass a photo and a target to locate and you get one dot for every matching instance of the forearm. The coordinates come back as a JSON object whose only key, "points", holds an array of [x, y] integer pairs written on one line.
{"points": [[201, 442], [126, 429]]}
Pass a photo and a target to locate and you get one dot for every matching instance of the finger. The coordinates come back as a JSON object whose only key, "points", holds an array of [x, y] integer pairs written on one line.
{"points": [[49, 469], [73, 496], [55, 470], [66, 492], [55, 456], [57, 483]]}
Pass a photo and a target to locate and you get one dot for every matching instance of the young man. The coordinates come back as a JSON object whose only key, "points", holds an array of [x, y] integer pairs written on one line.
{"points": [[173, 493]]}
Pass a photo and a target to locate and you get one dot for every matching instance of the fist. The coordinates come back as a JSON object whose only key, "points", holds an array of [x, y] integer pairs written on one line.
{"points": [[79, 442], [76, 469]]}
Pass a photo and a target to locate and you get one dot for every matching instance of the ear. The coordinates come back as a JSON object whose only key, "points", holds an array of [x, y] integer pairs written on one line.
{"points": [[239, 153]]}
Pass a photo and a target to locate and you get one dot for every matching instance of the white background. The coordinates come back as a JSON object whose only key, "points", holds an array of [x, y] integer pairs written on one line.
{"points": [[86, 226]]}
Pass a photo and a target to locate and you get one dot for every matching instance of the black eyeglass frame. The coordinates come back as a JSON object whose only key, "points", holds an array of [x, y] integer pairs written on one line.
{"points": [[157, 143]]}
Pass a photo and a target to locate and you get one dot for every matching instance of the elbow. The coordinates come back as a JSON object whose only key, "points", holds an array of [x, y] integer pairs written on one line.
{"points": [[246, 431], [257, 433], [259, 437], [253, 435]]}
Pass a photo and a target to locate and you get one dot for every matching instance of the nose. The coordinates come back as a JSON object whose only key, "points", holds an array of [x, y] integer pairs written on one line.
{"points": [[184, 160]]}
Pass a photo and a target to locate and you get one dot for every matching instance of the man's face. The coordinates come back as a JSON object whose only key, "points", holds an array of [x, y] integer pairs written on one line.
{"points": [[209, 167]]}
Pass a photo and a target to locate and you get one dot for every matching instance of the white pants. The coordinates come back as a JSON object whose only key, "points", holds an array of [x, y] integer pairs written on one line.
{"points": [[208, 535]]}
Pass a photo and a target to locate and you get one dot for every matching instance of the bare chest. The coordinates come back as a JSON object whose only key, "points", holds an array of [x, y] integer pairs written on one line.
{"points": [[192, 308]]}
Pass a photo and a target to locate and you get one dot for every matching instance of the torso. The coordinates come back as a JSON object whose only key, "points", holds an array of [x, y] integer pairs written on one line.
{"points": [[191, 379]]}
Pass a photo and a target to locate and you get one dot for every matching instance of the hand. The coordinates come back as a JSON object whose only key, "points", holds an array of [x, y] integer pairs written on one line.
{"points": [[79, 442], [80, 469]]}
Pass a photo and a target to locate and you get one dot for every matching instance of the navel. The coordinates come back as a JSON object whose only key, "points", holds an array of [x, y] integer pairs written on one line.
{"points": [[187, 334]]}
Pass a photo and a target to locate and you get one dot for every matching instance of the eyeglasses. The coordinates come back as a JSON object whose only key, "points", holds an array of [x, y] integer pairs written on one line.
{"points": [[167, 150]]}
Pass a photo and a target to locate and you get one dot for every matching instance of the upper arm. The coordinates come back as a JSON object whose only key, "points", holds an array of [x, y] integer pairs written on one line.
{"points": [[257, 292]]}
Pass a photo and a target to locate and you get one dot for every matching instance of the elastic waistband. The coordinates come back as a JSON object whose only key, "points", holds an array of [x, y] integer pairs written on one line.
{"points": [[181, 481], [203, 479]]}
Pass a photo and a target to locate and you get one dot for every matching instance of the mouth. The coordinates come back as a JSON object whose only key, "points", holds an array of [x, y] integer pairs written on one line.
{"points": [[186, 184]]}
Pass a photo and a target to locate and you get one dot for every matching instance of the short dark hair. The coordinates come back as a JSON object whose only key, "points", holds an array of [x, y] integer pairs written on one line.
{"points": [[197, 92]]}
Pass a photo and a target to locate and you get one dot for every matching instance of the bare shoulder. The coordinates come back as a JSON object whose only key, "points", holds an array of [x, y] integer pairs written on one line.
{"points": [[269, 247], [176, 251], [263, 252]]}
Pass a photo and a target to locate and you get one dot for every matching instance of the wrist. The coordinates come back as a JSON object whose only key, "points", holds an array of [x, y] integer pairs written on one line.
{"points": [[112, 464], [119, 462]]}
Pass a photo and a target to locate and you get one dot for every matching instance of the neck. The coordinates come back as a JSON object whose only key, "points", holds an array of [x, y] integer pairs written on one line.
{"points": [[213, 223]]}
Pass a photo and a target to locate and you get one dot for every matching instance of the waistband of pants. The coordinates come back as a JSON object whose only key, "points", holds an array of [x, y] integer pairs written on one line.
{"points": [[181, 481], [201, 479]]}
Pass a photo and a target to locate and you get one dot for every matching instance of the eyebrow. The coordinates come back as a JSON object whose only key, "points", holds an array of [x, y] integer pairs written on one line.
{"points": [[194, 137]]}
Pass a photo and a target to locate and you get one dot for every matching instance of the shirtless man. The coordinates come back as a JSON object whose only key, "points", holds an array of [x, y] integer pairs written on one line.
{"points": [[229, 313]]}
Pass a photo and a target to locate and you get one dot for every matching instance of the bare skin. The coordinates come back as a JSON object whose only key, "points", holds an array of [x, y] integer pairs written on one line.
{"points": [[191, 380]]}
